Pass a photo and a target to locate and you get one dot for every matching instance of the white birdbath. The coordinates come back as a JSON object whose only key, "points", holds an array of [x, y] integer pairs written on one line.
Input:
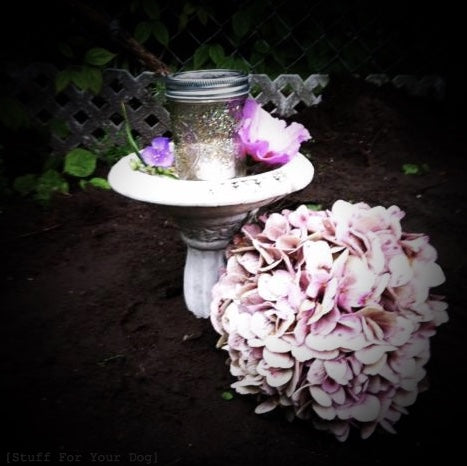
{"points": [[209, 213]]}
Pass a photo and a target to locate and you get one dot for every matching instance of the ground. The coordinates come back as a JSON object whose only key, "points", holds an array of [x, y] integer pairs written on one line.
{"points": [[101, 357]]}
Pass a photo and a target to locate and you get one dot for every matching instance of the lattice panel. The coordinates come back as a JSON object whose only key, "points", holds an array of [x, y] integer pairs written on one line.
{"points": [[288, 90], [93, 120], [97, 121]]}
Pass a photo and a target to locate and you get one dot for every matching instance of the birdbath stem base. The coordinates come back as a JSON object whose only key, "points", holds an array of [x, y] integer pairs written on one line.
{"points": [[208, 213], [206, 239], [201, 272]]}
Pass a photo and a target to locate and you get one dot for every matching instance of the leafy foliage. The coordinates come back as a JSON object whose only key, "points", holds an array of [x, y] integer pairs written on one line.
{"points": [[50, 182], [227, 396], [86, 76], [80, 163], [415, 168]]}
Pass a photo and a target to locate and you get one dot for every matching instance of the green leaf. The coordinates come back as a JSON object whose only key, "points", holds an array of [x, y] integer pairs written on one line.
{"points": [[227, 396], [49, 183], [87, 78], [151, 8], [79, 77], [143, 31], [261, 46], [189, 8], [182, 21], [203, 16], [99, 182], [227, 62], [13, 114], [65, 50], [59, 128], [161, 33], [80, 162], [241, 22], [410, 169], [25, 184], [83, 183], [62, 79], [241, 64], [98, 56], [316, 207], [415, 169], [201, 56], [94, 79], [216, 53]]}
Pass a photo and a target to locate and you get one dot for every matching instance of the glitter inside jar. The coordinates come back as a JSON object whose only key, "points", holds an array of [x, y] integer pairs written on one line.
{"points": [[205, 109]]}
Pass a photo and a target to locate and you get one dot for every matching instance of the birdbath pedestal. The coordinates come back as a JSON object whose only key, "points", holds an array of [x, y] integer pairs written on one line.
{"points": [[209, 213]]}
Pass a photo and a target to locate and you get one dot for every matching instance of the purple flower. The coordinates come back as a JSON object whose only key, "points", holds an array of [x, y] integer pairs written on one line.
{"points": [[159, 154], [267, 139]]}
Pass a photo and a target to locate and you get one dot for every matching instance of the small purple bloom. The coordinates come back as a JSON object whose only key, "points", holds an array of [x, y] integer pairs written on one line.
{"points": [[159, 154], [267, 139]]}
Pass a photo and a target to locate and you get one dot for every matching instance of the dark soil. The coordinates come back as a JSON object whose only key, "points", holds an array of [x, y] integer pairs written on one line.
{"points": [[100, 355]]}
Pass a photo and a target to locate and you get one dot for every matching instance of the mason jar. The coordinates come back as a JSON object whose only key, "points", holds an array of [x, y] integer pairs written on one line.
{"points": [[205, 112]]}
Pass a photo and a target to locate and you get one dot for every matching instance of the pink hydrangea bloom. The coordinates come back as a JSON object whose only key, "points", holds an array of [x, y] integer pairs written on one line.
{"points": [[267, 139], [328, 314]]}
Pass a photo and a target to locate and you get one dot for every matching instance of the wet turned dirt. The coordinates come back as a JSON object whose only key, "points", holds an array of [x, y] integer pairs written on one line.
{"points": [[100, 356]]}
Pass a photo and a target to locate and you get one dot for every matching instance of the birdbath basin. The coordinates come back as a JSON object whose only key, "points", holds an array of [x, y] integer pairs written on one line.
{"points": [[209, 213]]}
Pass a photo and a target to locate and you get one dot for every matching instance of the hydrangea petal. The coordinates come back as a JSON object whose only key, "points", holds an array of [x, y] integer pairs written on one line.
{"points": [[276, 345], [279, 378], [266, 406], [368, 410], [320, 396], [373, 353], [338, 370], [279, 360], [326, 413]]}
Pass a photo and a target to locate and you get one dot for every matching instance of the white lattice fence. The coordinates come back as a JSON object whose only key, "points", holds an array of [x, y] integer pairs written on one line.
{"points": [[288, 90], [96, 121], [92, 119]]}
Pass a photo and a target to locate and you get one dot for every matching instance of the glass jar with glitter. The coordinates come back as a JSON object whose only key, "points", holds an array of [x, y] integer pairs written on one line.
{"points": [[205, 110]]}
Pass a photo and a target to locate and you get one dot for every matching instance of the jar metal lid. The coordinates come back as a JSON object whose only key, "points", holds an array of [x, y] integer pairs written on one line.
{"points": [[216, 84]]}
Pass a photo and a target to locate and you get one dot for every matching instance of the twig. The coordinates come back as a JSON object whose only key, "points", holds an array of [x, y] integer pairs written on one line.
{"points": [[39, 232]]}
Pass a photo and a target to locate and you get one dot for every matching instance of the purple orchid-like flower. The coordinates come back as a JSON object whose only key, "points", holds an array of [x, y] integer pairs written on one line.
{"points": [[159, 154], [267, 139]]}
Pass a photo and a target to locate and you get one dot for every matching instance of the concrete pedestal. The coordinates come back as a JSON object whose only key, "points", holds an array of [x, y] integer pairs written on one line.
{"points": [[209, 213]]}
